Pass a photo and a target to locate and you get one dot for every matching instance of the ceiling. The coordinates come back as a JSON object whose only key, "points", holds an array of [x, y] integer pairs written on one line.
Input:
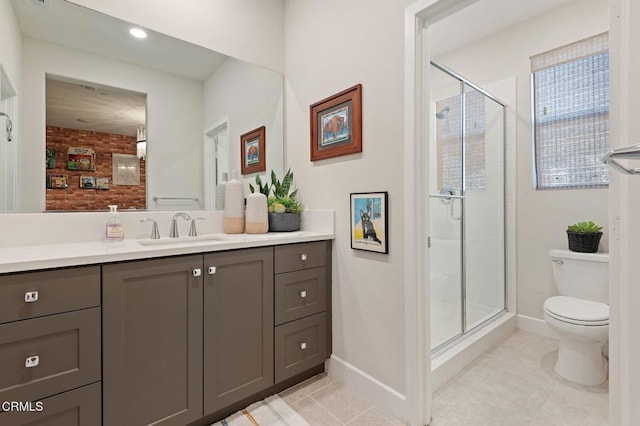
{"points": [[111, 110], [484, 18], [106, 109], [87, 106]]}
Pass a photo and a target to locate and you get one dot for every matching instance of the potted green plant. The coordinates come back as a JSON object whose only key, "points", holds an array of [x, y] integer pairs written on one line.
{"points": [[282, 203], [584, 237]]}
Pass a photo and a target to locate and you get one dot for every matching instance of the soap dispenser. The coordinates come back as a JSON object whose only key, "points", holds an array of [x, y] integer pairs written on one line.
{"points": [[114, 229]]}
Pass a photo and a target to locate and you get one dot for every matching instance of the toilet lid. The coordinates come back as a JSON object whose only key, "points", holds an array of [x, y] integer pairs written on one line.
{"points": [[578, 310]]}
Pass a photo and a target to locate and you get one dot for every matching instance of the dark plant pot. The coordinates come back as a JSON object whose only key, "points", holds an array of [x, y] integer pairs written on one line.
{"points": [[584, 243], [284, 222]]}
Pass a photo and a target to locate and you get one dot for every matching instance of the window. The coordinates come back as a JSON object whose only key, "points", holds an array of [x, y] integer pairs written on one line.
{"points": [[570, 88]]}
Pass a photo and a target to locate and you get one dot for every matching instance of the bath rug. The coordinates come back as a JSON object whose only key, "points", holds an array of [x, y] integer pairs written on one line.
{"points": [[272, 411]]}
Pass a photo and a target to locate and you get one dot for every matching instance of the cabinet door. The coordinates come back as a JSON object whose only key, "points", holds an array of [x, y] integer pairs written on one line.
{"points": [[238, 325], [152, 342]]}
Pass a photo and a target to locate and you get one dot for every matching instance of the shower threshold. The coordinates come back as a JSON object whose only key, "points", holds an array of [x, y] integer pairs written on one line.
{"points": [[456, 354]]}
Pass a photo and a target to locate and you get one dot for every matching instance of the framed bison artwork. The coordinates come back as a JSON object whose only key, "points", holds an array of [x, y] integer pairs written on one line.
{"points": [[252, 151], [336, 124], [369, 221]]}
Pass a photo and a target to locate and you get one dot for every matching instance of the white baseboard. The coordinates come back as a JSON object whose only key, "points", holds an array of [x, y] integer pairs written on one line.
{"points": [[535, 326], [377, 392], [442, 369]]}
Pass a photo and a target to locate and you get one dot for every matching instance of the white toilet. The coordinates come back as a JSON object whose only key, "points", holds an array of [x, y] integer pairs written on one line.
{"points": [[580, 315]]}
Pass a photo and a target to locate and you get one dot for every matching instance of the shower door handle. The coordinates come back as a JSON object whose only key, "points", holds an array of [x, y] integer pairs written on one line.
{"points": [[448, 197]]}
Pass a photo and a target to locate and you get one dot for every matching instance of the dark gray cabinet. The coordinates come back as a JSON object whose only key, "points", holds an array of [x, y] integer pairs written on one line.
{"points": [[152, 342], [186, 336], [302, 332], [44, 356], [78, 407], [238, 326], [50, 347], [181, 340]]}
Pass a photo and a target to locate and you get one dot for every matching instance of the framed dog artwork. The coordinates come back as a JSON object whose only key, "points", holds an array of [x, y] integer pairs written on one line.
{"points": [[336, 124], [369, 221]]}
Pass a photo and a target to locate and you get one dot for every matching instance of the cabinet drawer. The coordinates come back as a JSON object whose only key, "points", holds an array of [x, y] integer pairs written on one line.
{"points": [[300, 294], [60, 290], [294, 257], [78, 407], [300, 345], [45, 356]]}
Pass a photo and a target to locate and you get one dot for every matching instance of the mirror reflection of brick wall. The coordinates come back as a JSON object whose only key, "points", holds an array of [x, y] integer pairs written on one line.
{"points": [[104, 144]]}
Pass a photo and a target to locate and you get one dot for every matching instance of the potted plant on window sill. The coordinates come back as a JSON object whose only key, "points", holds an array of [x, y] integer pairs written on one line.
{"points": [[283, 206], [584, 237]]}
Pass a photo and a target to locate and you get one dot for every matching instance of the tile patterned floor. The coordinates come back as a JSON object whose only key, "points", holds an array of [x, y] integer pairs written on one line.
{"points": [[516, 384], [513, 385], [324, 401]]}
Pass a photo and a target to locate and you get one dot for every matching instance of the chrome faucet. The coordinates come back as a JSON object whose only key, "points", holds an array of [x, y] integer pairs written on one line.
{"points": [[173, 233], [155, 234], [192, 230]]}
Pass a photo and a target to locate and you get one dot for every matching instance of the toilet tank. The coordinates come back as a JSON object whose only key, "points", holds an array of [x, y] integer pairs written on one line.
{"points": [[581, 275]]}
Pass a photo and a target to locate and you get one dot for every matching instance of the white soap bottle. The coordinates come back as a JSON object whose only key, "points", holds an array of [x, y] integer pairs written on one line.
{"points": [[114, 229]]}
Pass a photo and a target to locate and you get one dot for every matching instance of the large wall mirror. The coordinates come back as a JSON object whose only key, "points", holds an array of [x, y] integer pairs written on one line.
{"points": [[87, 84]]}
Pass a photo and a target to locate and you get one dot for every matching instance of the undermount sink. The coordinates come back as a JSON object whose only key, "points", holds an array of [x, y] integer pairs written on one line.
{"points": [[182, 240]]}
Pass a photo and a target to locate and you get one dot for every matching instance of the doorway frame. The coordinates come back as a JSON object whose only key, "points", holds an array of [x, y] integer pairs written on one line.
{"points": [[418, 18], [210, 152]]}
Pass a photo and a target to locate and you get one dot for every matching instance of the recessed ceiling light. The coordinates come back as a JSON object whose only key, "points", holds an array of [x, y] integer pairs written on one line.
{"points": [[138, 33]]}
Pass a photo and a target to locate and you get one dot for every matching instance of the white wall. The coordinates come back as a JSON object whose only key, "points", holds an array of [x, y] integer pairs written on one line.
{"points": [[249, 97], [10, 44], [331, 45], [10, 81], [542, 216], [251, 30], [174, 119]]}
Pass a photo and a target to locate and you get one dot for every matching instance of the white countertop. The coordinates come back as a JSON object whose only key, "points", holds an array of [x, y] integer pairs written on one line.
{"points": [[32, 257]]}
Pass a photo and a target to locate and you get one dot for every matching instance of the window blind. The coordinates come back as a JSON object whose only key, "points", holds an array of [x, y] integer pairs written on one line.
{"points": [[571, 114]]}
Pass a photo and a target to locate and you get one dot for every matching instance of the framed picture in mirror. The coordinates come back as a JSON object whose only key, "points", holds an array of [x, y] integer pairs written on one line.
{"points": [[336, 124], [126, 169], [252, 151]]}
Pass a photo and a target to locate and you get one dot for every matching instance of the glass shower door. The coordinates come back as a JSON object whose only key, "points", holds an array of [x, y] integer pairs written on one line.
{"points": [[446, 209], [484, 285], [466, 207]]}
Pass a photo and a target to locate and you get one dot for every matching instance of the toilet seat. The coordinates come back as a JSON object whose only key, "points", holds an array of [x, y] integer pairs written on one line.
{"points": [[577, 311]]}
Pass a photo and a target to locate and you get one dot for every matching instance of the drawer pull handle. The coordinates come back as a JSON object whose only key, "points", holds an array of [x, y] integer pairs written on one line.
{"points": [[303, 256], [32, 361], [197, 272], [303, 294], [212, 270], [31, 296], [303, 345]]}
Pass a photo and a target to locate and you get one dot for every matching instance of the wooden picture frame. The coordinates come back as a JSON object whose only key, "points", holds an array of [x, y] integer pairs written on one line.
{"points": [[370, 221], [336, 124], [252, 151]]}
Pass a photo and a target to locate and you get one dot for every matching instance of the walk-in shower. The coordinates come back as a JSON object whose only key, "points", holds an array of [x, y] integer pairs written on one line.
{"points": [[466, 207]]}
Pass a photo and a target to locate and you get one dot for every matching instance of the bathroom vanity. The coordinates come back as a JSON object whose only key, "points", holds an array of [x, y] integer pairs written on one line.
{"points": [[167, 334]]}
